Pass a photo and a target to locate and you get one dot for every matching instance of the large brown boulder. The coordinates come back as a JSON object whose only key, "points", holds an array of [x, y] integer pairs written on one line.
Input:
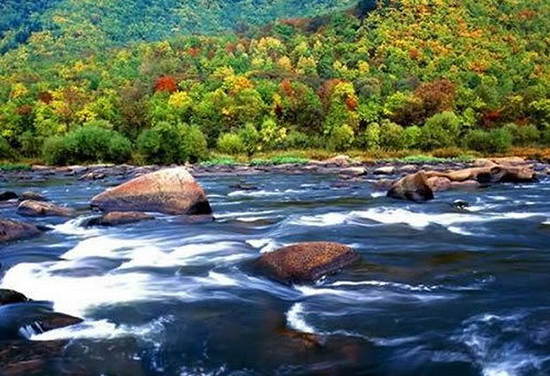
{"points": [[413, 187], [494, 174], [306, 262], [119, 218], [32, 208], [13, 230], [170, 191]]}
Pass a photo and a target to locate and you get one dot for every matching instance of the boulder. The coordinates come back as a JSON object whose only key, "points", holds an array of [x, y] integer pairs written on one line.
{"points": [[12, 230], [439, 183], [339, 161], [93, 176], [306, 262], [354, 171], [407, 169], [11, 296], [8, 195], [29, 195], [119, 218], [413, 187], [494, 174], [32, 208], [170, 191], [57, 320], [385, 170], [466, 184]]}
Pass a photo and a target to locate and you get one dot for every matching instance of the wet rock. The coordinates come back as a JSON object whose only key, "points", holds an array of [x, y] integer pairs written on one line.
{"points": [[8, 195], [118, 218], [412, 187], [169, 191], [339, 161], [13, 230], [408, 169], [306, 340], [90, 176], [306, 262], [244, 187], [465, 185], [25, 358], [382, 184], [494, 174], [11, 296], [438, 183], [354, 171], [32, 208], [461, 204], [30, 195], [385, 170]]}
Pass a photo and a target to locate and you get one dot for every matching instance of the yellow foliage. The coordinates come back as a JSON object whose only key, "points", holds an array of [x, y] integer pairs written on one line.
{"points": [[180, 100], [285, 63], [18, 90]]}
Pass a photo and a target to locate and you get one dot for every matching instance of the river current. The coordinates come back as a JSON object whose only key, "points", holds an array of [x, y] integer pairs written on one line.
{"points": [[439, 291]]}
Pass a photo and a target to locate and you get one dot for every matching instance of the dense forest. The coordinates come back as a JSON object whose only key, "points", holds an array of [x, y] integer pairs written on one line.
{"points": [[80, 84]]}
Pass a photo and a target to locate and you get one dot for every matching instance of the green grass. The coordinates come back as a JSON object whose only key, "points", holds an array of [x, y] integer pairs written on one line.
{"points": [[15, 167], [221, 161], [278, 160]]}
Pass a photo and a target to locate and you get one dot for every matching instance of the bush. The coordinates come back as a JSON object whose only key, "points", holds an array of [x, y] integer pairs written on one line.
{"points": [[372, 136], [411, 137], [494, 141], [231, 143], [194, 144], [447, 153], [297, 140], [31, 144], [6, 152], [87, 144], [250, 138], [523, 135], [167, 143], [341, 138], [440, 131], [391, 136]]}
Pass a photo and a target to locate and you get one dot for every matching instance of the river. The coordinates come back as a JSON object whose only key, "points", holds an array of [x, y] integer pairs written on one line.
{"points": [[439, 291]]}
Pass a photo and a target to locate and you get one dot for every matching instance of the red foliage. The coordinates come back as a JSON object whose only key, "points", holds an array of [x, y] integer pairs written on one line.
{"points": [[278, 111], [436, 96], [45, 97], [414, 54], [286, 87], [491, 117], [166, 83], [325, 92], [24, 110], [193, 51]]}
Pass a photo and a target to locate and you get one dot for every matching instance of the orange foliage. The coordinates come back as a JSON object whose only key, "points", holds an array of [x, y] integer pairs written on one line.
{"points": [[45, 97], [295, 22], [351, 103], [437, 96], [286, 87], [166, 83], [193, 51], [527, 14], [414, 54], [24, 110], [491, 117], [325, 92]]}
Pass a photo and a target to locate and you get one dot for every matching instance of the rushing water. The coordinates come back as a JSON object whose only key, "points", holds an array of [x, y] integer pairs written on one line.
{"points": [[439, 291]]}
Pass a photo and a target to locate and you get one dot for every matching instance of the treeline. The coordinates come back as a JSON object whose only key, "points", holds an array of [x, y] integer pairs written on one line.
{"points": [[414, 74]]}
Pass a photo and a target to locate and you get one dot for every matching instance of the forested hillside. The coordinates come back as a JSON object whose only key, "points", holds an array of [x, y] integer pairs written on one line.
{"points": [[417, 74]]}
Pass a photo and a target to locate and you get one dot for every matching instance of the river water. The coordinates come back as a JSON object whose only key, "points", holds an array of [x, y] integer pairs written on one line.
{"points": [[439, 290]]}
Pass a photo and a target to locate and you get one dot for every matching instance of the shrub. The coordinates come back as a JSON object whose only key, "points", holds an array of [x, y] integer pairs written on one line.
{"points": [[6, 151], [87, 144], [297, 140], [341, 138], [391, 136], [194, 144], [231, 143], [411, 137], [372, 136], [447, 153], [250, 137], [31, 144], [494, 141], [440, 131], [167, 143], [523, 135]]}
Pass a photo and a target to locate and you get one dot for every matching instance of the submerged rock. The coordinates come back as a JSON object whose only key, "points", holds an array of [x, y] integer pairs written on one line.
{"points": [[32, 208], [170, 191], [306, 262], [11, 230], [118, 218], [8, 195], [57, 320], [35, 196], [413, 187], [11, 296]]}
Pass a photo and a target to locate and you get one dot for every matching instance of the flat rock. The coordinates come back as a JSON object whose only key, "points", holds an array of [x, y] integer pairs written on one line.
{"points": [[439, 183], [413, 187], [11, 230], [30, 195], [339, 161], [58, 320], [306, 262], [354, 171], [170, 191], [32, 208], [385, 170], [407, 169], [119, 218]]}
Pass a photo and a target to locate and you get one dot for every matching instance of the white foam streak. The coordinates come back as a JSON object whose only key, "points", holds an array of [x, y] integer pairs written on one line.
{"points": [[296, 320]]}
